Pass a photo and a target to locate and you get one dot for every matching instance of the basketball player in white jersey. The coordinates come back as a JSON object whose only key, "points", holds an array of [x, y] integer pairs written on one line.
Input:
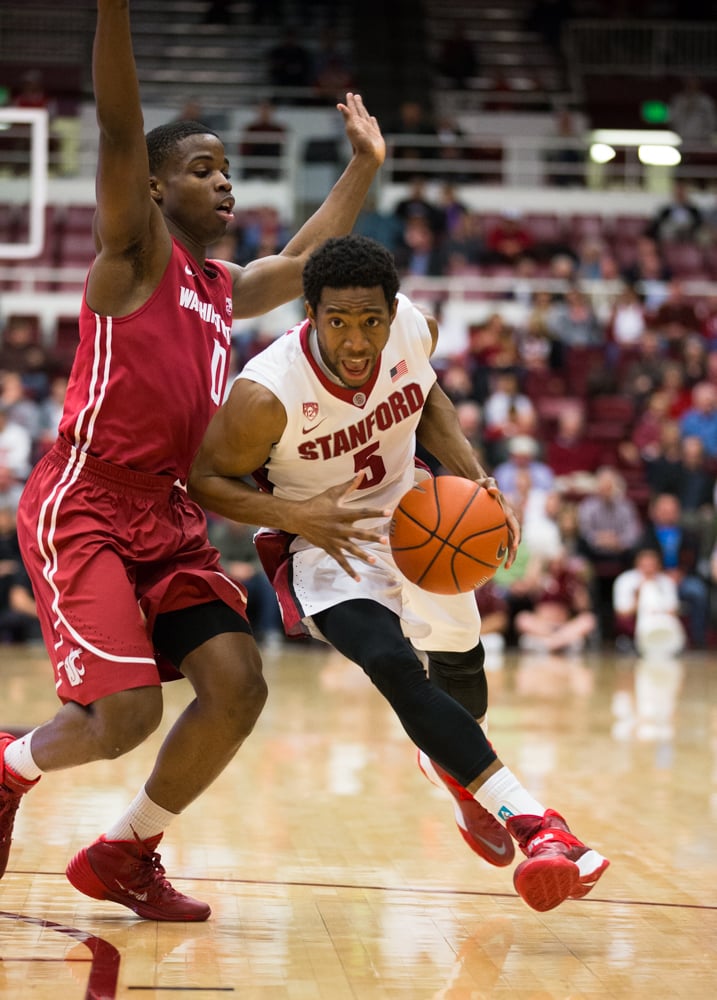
{"points": [[326, 419]]}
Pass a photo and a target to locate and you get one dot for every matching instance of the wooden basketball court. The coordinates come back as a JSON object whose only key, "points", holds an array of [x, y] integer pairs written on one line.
{"points": [[335, 871]]}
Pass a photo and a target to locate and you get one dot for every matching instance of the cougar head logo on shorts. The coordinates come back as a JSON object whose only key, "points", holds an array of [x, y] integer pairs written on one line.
{"points": [[74, 671]]}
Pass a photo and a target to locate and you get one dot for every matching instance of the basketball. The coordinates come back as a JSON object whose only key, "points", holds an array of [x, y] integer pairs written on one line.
{"points": [[448, 535]]}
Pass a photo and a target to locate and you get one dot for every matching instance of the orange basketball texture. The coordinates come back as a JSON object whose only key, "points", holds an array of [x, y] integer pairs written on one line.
{"points": [[448, 535]]}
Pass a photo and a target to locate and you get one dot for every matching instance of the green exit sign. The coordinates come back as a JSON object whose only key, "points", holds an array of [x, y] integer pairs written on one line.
{"points": [[654, 112]]}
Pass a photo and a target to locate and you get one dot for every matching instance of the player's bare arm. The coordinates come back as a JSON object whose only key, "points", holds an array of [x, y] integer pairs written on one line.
{"points": [[440, 433], [130, 235], [270, 281], [237, 443]]}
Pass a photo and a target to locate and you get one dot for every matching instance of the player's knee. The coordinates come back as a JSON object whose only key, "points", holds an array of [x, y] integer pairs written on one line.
{"points": [[461, 675], [234, 694], [124, 720]]}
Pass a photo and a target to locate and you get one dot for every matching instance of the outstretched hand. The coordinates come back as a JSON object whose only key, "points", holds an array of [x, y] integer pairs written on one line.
{"points": [[325, 520], [489, 484], [362, 129]]}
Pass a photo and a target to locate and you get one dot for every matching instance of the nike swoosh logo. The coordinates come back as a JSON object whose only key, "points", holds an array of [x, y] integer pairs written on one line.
{"points": [[189, 271], [141, 896], [308, 430], [502, 549], [496, 848]]}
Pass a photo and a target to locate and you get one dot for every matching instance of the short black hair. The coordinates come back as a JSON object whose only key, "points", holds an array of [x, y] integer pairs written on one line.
{"points": [[352, 261], [163, 140]]}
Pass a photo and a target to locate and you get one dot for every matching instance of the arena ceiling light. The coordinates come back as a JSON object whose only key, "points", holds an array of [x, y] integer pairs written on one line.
{"points": [[602, 152], [658, 156], [635, 137]]}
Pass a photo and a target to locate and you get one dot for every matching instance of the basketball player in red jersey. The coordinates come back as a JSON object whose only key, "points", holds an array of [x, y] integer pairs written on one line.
{"points": [[330, 414], [128, 589]]}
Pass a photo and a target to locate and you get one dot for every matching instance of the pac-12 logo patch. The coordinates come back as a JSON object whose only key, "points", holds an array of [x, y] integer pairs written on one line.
{"points": [[310, 410]]}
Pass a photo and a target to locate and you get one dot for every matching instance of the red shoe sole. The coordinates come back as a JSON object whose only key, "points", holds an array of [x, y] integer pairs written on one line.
{"points": [[544, 883]]}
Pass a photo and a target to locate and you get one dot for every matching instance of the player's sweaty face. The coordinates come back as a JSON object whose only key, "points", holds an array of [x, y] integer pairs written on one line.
{"points": [[353, 326]]}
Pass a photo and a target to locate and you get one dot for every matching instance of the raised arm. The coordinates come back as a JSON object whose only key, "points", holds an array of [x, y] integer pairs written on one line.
{"points": [[270, 281], [127, 219]]}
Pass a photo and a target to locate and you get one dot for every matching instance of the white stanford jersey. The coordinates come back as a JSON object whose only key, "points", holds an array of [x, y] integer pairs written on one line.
{"points": [[331, 434], [334, 432]]}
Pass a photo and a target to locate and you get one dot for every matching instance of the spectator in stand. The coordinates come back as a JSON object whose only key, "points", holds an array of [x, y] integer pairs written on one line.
{"points": [[10, 489], [20, 407], [664, 469], [681, 547], [21, 351], [567, 160], [507, 413], [413, 139], [676, 316], [700, 419], [508, 239], [419, 252], [290, 68], [647, 269], [456, 382], [573, 321], [451, 209], [458, 58], [492, 344], [674, 382], [15, 446], [523, 457], [262, 141], [697, 481], [640, 375], [680, 220], [454, 152], [470, 420], [627, 322], [609, 527], [18, 614], [464, 249], [572, 455], [417, 205], [693, 358], [646, 607], [644, 442], [693, 113], [50, 410], [561, 617], [381, 226]]}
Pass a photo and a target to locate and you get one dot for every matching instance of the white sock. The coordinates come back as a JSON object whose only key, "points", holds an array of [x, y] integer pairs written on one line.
{"points": [[18, 757], [504, 796], [143, 819]]}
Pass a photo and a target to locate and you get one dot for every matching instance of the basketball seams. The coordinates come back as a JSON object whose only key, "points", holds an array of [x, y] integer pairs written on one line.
{"points": [[433, 560]]}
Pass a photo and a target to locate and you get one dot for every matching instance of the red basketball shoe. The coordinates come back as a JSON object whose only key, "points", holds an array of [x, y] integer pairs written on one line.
{"points": [[480, 830], [129, 872], [12, 788], [559, 866]]}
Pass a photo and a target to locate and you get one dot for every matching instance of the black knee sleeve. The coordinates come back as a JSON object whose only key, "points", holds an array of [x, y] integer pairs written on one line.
{"points": [[461, 675]]}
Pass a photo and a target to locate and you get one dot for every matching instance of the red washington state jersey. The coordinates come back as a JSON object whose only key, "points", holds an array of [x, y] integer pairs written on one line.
{"points": [[144, 387]]}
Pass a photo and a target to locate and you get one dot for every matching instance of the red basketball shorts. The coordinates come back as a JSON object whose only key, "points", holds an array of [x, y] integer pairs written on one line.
{"points": [[107, 550]]}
